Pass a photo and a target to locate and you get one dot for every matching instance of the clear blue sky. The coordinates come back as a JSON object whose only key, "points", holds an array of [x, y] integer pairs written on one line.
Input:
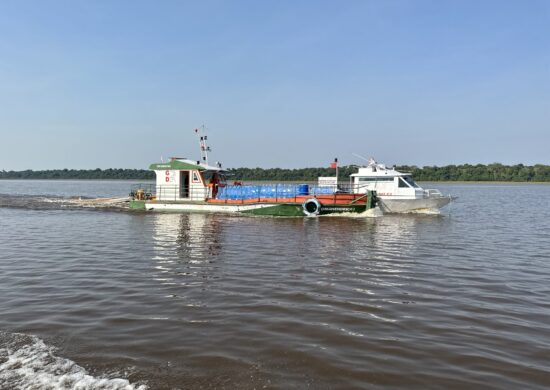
{"points": [[87, 84]]}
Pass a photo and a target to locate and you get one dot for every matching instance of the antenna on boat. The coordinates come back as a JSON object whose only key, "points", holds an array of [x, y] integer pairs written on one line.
{"points": [[361, 157], [204, 148]]}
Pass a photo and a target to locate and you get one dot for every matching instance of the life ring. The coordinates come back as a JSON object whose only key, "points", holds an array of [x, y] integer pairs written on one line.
{"points": [[311, 207]]}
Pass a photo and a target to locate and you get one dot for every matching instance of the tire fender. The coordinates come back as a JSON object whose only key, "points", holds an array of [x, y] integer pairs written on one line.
{"points": [[311, 207]]}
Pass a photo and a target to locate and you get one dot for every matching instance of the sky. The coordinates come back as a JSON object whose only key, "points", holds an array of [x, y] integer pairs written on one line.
{"points": [[291, 84]]}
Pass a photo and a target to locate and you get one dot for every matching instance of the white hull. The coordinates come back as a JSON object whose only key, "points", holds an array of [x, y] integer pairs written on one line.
{"points": [[413, 205], [223, 208], [397, 191]]}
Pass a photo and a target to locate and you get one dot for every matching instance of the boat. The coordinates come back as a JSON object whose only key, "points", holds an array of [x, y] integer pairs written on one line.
{"points": [[184, 184], [397, 192]]}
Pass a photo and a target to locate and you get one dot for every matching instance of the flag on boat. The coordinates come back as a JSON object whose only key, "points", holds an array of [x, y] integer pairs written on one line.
{"points": [[334, 164]]}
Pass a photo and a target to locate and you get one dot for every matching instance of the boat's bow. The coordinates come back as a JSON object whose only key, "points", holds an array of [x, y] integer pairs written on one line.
{"points": [[432, 201]]}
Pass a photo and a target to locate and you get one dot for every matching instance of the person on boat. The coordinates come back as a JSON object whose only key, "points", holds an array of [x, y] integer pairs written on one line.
{"points": [[213, 185]]}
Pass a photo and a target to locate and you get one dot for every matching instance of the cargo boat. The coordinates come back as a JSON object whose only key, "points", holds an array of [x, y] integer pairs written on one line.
{"points": [[195, 186]]}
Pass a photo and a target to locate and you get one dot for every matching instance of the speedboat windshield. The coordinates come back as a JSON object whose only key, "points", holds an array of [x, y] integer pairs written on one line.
{"points": [[410, 181]]}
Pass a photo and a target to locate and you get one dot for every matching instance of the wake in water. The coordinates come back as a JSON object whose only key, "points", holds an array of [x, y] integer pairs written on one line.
{"points": [[98, 202], [26, 362], [44, 202], [424, 211]]}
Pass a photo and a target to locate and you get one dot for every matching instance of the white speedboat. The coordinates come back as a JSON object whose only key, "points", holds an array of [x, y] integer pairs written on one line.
{"points": [[397, 192]]}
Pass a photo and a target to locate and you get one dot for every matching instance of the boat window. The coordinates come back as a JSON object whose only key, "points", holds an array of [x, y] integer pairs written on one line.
{"points": [[218, 176], [196, 177], [363, 179], [207, 175], [403, 183], [410, 181]]}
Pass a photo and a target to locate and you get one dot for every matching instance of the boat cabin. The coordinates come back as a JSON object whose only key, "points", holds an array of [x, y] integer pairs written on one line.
{"points": [[385, 181], [184, 179]]}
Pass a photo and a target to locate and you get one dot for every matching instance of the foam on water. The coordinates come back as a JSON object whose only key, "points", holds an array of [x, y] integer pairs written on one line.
{"points": [[99, 202], [424, 211], [26, 362], [47, 202]]}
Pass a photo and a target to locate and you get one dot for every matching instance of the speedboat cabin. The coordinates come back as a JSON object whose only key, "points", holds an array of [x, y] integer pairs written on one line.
{"points": [[385, 181]]}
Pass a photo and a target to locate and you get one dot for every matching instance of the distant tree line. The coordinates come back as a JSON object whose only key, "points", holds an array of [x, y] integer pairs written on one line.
{"points": [[120, 174], [480, 172], [465, 172]]}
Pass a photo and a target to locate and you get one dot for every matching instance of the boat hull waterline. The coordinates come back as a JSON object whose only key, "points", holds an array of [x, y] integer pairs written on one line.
{"points": [[413, 205], [260, 209]]}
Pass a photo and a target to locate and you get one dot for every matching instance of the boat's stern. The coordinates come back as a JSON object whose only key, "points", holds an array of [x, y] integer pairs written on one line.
{"points": [[135, 204], [140, 194]]}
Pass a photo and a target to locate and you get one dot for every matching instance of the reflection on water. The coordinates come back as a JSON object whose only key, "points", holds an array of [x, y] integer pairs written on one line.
{"points": [[185, 254], [193, 238]]}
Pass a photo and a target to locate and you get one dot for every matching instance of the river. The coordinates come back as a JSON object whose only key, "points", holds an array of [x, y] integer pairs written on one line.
{"points": [[105, 298]]}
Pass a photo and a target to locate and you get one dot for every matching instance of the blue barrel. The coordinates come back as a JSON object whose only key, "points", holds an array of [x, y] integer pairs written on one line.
{"points": [[303, 189]]}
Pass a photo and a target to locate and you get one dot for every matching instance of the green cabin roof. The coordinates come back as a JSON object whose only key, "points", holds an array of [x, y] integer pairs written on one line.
{"points": [[177, 165]]}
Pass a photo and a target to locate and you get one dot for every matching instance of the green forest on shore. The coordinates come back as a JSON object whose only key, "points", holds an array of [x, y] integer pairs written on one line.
{"points": [[465, 172]]}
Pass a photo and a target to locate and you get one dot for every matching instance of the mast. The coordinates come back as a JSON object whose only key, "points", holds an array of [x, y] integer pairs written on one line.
{"points": [[204, 148]]}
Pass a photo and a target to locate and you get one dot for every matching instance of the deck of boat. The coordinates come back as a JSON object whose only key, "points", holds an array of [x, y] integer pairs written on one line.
{"points": [[326, 200], [340, 199]]}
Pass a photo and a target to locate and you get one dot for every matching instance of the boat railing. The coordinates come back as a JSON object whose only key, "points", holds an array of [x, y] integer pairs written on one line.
{"points": [[244, 193], [285, 192], [152, 191], [144, 191]]}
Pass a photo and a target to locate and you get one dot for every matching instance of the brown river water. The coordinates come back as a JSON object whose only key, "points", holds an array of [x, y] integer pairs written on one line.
{"points": [[105, 298]]}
